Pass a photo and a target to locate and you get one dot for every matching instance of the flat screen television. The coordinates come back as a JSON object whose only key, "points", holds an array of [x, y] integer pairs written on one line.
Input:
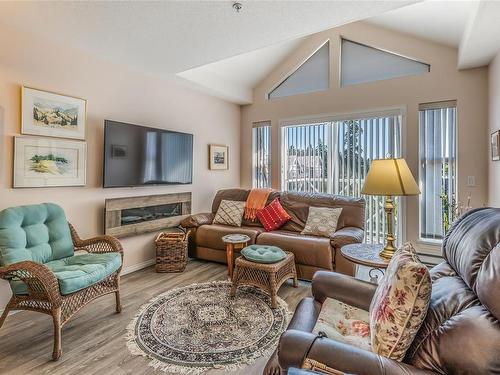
{"points": [[138, 155]]}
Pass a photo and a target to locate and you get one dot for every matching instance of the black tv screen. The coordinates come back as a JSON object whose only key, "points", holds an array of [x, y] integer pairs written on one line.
{"points": [[137, 155]]}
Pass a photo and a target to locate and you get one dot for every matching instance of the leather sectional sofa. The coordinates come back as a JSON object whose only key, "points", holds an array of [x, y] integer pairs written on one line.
{"points": [[312, 253], [460, 334]]}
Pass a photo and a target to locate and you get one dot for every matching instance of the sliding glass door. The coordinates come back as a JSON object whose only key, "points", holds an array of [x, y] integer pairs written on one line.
{"points": [[334, 157]]}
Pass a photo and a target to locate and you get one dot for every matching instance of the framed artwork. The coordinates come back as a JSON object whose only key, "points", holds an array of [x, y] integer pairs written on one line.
{"points": [[218, 156], [52, 115], [495, 145], [44, 162]]}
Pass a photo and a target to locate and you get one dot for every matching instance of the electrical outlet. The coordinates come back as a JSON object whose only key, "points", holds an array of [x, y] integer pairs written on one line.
{"points": [[471, 180]]}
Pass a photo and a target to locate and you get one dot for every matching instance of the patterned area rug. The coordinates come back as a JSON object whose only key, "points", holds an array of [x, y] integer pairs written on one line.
{"points": [[196, 328]]}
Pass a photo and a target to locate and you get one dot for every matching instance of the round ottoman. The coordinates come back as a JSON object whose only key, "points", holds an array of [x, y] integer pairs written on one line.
{"points": [[263, 254]]}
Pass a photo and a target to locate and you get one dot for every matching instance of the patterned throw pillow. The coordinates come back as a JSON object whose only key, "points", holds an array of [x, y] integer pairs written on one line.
{"points": [[400, 304], [273, 216], [230, 213], [322, 221]]}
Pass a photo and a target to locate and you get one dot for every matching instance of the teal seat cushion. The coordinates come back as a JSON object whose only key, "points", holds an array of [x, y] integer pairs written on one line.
{"points": [[263, 254], [38, 232], [77, 272]]}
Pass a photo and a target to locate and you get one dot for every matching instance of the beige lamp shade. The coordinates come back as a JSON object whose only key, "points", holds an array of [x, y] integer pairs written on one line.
{"points": [[390, 177]]}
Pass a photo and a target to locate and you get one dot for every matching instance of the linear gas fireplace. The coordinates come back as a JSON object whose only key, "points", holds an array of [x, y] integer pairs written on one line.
{"points": [[136, 215]]}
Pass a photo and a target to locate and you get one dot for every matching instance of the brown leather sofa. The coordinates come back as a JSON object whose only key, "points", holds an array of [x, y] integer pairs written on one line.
{"points": [[460, 334], [312, 253]]}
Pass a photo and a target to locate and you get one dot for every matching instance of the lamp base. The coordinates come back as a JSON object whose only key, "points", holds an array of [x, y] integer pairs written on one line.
{"points": [[387, 252]]}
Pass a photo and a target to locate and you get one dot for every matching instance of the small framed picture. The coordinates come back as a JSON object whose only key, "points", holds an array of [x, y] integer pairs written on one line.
{"points": [[495, 145], [218, 156], [52, 115], [44, 162]]}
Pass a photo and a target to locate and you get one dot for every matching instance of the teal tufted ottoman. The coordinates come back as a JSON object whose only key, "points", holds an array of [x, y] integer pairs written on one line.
{"points": [[266, 276], [263, 253]]}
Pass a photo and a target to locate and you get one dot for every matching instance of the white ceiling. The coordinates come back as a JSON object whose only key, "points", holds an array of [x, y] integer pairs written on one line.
{"points": [[440, 21], [472, 26], [169, 37], [234, 78], [227, 53]]}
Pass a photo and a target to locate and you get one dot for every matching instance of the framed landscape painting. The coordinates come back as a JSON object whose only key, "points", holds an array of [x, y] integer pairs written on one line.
{"points": [[495, 146], [52, 115], [44, 162], [218, 157]]}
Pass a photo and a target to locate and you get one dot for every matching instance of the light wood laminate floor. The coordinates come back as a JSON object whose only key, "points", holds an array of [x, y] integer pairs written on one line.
{"points": [[93, 341]]}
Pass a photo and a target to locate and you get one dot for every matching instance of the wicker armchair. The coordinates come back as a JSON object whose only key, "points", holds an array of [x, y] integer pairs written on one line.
{"points": [[43, 292]]}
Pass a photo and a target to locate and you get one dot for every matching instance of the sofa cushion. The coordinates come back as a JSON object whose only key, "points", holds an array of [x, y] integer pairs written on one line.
{"points": [[39, 233], [211, 235], [400, 304], [273, 216], [263, 254], [297, 205], [344, 323], [308, 250], [77, 272], [230, 213], [322, 221]]}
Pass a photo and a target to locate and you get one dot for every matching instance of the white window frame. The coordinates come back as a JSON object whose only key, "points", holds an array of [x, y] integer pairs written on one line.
{"points": [[435, 105], [336, 117]]}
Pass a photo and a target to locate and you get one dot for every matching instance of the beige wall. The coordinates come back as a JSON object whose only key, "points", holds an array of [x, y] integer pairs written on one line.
{"points": [[494, 121], [444, 82], [113, 92]]}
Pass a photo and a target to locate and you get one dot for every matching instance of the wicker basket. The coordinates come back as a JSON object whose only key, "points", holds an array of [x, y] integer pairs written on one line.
{"points": [[171, 252]]}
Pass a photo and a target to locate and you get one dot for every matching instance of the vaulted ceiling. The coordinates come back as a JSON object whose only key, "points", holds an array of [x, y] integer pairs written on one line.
{"points": [[168, 37], [227, 53]]}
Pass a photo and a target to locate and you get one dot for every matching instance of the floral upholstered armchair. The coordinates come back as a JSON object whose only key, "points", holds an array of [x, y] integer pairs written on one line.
{"points": [[37, 258]]}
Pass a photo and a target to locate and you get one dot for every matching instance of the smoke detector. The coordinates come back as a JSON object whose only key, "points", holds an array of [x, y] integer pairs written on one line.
{"points": [[237, 7]]}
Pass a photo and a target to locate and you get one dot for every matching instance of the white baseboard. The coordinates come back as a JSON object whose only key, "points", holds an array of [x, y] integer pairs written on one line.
{"points": [[138, 266]]}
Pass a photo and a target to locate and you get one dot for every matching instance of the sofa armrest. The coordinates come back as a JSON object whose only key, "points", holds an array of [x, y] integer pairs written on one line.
{"points": [[197, 220], [294, 346], [346, 236], [347, 289]]}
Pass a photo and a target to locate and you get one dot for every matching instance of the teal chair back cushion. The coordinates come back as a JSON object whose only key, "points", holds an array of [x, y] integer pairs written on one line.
{"points": [[38, 232]]}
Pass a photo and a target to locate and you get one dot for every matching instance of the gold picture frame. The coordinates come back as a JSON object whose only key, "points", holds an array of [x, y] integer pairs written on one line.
{"points": [[218, 157], [50, 114]]}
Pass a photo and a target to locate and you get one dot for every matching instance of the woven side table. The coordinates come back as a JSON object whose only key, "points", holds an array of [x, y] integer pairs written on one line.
{"points": [[268, 277]]}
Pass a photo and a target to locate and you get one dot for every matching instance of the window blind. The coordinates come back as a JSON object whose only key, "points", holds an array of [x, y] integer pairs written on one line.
{"points": [[261, 154], [334, 157], [438, 154]]}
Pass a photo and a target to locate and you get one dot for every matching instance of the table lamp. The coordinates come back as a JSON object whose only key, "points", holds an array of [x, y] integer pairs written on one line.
{"points": [[389, 177]]}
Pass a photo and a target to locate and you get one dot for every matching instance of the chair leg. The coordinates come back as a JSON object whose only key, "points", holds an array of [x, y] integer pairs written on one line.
{"points": [[4, 315], [118, 301], [56, 317]]}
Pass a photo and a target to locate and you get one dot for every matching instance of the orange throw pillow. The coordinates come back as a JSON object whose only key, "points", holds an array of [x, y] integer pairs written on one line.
{"points": [[273, 216]]}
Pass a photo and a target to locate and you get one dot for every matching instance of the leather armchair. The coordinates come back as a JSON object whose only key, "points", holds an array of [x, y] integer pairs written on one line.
{"points": [[460, 334]]}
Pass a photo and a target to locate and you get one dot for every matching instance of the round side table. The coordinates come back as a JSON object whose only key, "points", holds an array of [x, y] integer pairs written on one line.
{"points": [[233, 242], [366, 255]]}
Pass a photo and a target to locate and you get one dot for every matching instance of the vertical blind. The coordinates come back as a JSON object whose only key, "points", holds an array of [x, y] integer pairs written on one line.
{"points": [[334, 157], [261, 154], [438, 154]]}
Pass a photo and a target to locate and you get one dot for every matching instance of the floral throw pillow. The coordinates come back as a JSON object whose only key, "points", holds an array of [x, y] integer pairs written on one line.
{"points": [[322, 221], [344, 323], [400, 304], [230, 213]]}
